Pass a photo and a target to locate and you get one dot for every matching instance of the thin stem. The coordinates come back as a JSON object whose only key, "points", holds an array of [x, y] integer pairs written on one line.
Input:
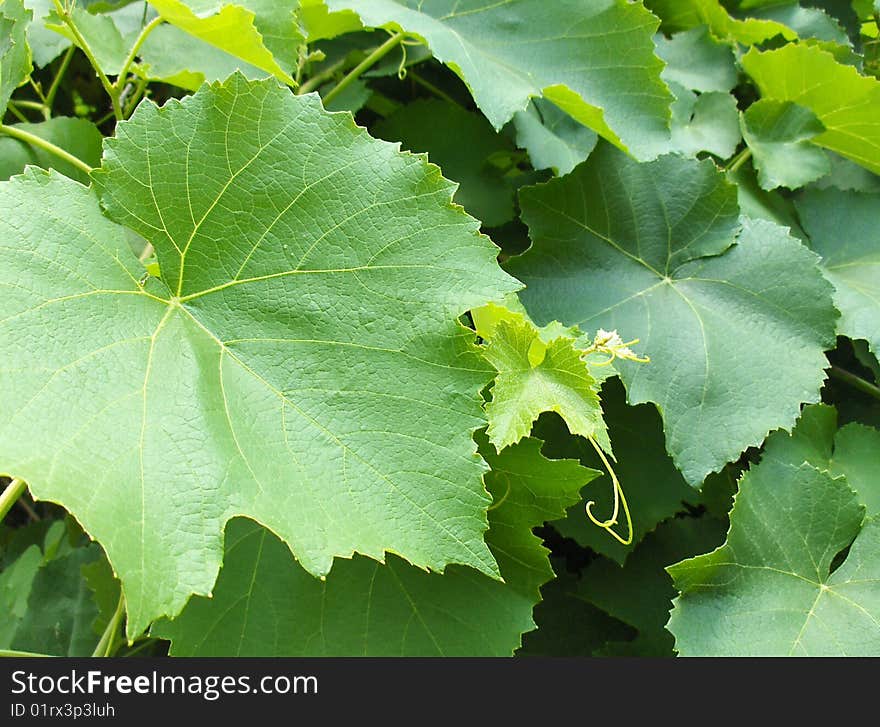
{"points": [[739, 160], [56, 83], [320, 78], [135, 97], [108, 638], [439, 92], [48, 146], [80, 41], [13, 491], [367, 63], [857, 382], [35, 105], [139, 41], [32, 514], [11, 653], [12, 108]]}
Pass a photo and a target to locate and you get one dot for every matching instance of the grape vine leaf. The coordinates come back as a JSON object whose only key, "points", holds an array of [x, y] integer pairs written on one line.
{"points": [[262, 33], [16, 581], [769, 590], [779, 134], [846, 102], [44, 42], [460, 143], [679, 15], [538, 371], [653, 486], [77, 136], [15, 54], [265, 604], [695, 60], [706, 122], [552, 138], [852, 451], [172, 56], [640, 592], [649, 249], [300, 362], [595, 61], [842, 227], [104, 38]]}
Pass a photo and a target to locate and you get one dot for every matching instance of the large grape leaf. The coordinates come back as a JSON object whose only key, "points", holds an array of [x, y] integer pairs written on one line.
{"points": [[695, 60], [15, 54], [707, 122], [594, 59], [649, 249], [300, 362], [769, 590], [265, 604], [842, 227], [846, 102]]}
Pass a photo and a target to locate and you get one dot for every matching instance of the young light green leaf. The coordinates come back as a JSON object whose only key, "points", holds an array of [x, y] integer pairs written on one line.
{"points": [[172, 56], [77, 136], [780, 133], [262, 33], [769, 590], [103, 37], [461, 144], [649, 248], [537, 374], [846, 102], [842, 227], [265, 604], [45, 43], [304, 334], [15, 54], [593, 60], [678, 15], [552, 138]]}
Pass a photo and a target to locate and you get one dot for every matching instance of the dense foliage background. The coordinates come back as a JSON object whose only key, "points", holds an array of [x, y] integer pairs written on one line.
{"points": [[582, 362]]}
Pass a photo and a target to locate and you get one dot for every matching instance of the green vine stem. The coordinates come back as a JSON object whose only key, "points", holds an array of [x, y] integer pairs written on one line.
{"points": [[857, 382], [739, 160], [619, 499], [56, 82], [368, 62], [107, 643], [12, 654], [83, 45], [13, 491], [320, 78], [48, 146], [138, 43]]}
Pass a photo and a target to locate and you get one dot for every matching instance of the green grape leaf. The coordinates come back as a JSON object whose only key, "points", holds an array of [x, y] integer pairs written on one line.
{"points": [[552, 138], [568, 625], [779, 135], [654, 488], [595, 61], [852, 451], [44, 42], [460, 143], [104, 38], [320, 24], [16, 582], [61, 609], [847, 175], [262, 33], [172, 56], [640, 592], [77, 136], [678, 15], [265, 604], [15, 54], [649, 249], [708, 122], [304, 334], [847, 103], [807, 22], [842, 227], [769, 590], [763, 204], [537, 373], [695, 60]]}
